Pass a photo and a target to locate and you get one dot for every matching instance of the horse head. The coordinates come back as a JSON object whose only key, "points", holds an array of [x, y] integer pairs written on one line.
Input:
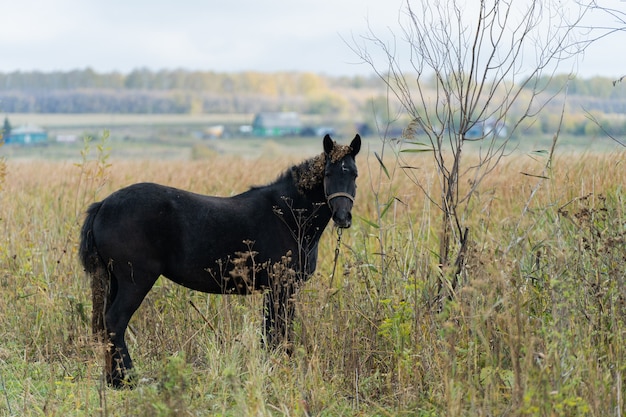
{"points": [[340, 174]]}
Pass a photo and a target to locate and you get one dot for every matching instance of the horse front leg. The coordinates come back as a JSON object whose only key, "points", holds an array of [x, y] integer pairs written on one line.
{"points": [[279, 312]]}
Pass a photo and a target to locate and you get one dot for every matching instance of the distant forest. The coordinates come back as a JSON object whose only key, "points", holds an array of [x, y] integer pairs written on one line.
{"points": [[194, 92], [177, 91]]}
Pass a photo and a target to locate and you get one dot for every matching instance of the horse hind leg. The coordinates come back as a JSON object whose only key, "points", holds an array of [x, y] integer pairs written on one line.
{"points": [[128, 296], [101, 295]]}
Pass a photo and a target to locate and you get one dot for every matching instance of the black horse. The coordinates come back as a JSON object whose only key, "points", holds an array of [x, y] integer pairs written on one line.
{"points": [[263, 239]]}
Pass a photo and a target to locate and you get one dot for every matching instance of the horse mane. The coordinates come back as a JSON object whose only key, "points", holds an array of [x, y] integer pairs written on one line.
{"points": [[310, 173]]}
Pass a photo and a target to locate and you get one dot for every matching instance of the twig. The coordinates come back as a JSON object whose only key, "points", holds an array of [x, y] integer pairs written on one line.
{"points": [[591, 117], [208, 323]]}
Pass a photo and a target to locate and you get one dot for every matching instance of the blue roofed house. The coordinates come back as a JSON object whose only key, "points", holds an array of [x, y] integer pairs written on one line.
{"points": [[276, 124], [488, 127], [27, 135]]}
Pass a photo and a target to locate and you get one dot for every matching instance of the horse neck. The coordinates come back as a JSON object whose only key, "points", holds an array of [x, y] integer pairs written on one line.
{"points": [[304, 211], [312, 206]]}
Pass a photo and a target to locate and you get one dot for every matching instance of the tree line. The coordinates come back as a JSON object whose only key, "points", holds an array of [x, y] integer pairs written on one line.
{"points": [[175, 91], [271, 84], [274, 84], [144, 91]]}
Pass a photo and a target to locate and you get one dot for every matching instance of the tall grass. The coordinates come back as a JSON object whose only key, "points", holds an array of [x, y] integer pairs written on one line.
{"points": [[535, 327]]}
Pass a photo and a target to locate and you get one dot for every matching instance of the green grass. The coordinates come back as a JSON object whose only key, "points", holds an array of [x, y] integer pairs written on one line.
{"points": [[535, 328]]}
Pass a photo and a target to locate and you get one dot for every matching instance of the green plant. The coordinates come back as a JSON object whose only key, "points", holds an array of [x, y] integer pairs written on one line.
{"points": [[93, 172]]}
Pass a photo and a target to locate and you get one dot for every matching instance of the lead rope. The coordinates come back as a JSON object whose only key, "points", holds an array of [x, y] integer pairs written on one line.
{"points": [[332, 277]]}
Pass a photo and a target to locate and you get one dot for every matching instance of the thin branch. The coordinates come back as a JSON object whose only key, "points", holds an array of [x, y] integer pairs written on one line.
{"points": [[593, 119]]}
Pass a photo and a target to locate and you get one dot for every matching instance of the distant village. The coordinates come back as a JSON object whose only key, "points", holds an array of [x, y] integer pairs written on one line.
{"points": [[264, 125]]}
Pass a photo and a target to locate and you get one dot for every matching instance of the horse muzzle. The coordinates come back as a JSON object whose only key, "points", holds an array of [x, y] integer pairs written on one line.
{"points": [[341, 208]]}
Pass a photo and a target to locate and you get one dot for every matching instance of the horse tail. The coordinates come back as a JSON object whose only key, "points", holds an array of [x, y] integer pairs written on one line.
{"points": [[97, 270]]}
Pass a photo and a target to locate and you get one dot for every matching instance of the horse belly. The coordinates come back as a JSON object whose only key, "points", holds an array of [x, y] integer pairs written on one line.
{"points": [[221, 261]]}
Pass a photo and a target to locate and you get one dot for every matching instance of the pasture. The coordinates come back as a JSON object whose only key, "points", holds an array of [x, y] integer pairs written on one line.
{"points": [[536, 327]]}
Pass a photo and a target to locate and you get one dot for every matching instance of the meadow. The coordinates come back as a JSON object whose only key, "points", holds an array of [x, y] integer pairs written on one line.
{"points": [[535, 327]]}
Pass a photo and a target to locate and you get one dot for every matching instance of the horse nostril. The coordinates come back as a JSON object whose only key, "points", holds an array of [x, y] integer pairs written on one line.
{"points": [[343, 220]]}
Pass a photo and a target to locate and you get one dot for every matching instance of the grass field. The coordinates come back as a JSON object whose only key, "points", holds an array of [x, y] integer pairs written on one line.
{"points": [[537, 326]]}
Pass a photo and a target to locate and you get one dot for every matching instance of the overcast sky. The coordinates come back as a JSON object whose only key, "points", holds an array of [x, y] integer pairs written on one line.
{"points": [[212, 35]]}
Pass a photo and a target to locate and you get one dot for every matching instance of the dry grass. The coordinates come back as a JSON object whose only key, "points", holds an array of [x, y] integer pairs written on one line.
{"points": [[536, 327]]}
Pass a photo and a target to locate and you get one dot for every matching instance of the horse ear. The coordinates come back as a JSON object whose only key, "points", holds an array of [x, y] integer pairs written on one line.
{"points": [[328, 144], [355, 145]]}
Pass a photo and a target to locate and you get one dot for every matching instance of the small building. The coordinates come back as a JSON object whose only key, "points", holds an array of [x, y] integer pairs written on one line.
{"points": [[276, 124], [67, 138], [489, 127], [319, 132], [27, 135], [214, 132]]}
